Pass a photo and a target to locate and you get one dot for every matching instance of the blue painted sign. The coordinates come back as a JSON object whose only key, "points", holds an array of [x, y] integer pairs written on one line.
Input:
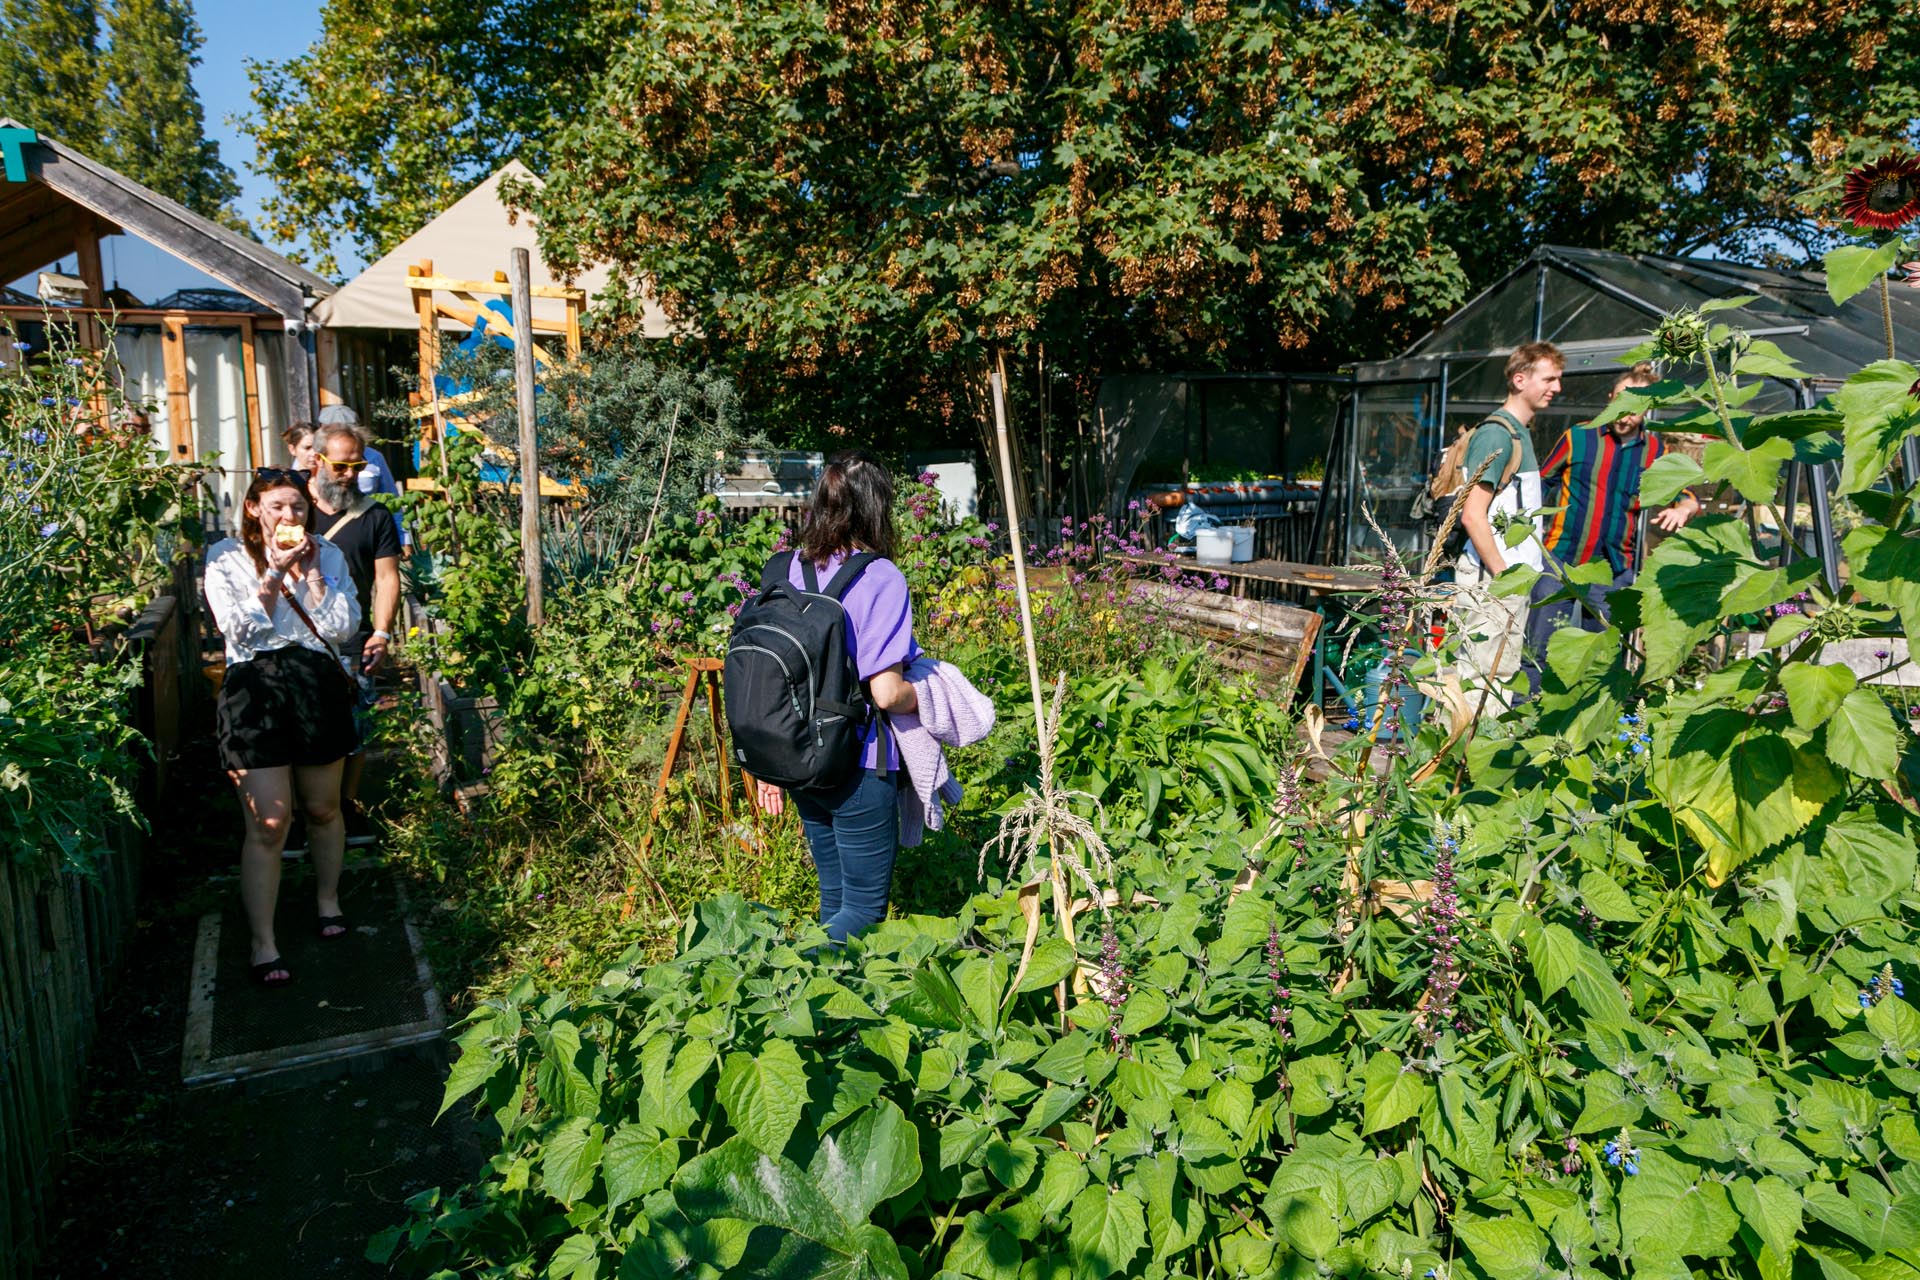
{"points": [[14, 142]]}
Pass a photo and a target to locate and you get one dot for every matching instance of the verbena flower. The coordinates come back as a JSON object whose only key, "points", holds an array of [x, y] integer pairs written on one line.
{"points": [[1113, 987], [1443, 915]]}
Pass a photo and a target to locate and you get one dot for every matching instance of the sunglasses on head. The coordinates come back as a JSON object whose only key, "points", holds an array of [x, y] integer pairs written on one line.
{"points": [[282, 475]]}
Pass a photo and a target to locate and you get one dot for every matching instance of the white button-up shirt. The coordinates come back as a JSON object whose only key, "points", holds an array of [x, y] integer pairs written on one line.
{"points": [[233, 593]]}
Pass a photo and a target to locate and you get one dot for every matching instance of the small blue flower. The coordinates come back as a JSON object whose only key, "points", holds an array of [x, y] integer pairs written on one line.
{"points": [[47, 402], [75, 362], [1899, 987], [36, 436], [73, 403], [1632, 1168], [1866, 1000], [1353, 722], [23, 346], [1638, 747], [50, 528]]}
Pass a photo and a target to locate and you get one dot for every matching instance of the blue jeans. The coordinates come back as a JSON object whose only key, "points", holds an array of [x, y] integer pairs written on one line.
{"points": [[853, 831]]}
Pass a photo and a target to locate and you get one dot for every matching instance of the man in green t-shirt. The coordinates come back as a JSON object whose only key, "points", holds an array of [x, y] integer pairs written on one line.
{"points": [[1492, 629]]}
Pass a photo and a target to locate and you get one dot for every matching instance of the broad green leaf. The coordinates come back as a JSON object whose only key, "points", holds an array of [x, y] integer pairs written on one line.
{"points": [[1670, 473], [1394, 1092], [1105, 1230], [1862, 738], [1604, 897], [1061, 1179], [1011, 1161], [1575, 655], [1306, 1221], [873, 1157], [1872, 851], [1852, 267], [1555, 954], [1772, 1209], [987, 1248], [637, 1162], [1884, 568], [1561, 959], [1052, 960], [1738, 785], [1754, 473], [983, 982], [577, 1258], [476, 1066], [1691, 572], [1897, 1027], [572, 1158], [1673, 1207], [1145, 1008], [1878, 414], [565, 1078], [1815, 690], [738, 1180], [1505, 1248], [764, 1095]]}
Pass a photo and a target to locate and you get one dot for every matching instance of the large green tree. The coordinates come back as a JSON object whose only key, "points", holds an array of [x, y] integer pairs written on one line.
{"points": [[152, 127], [861, 202], [402, 105], [129, 101], [49, 67]]}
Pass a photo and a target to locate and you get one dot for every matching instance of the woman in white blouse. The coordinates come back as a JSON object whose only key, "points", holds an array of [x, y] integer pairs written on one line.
{"points": [[283, 601]]}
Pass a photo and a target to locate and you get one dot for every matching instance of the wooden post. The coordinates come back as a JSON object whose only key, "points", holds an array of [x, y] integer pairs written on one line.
{"points": [[326, 358], [1007, 487], [529, 436], [179, 409], [429, 359], [250, 368]]}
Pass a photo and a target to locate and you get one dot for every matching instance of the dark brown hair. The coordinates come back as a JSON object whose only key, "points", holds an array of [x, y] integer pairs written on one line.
{"points": [[294, 434], [1527, 355], [852, 509], [252, 536]]}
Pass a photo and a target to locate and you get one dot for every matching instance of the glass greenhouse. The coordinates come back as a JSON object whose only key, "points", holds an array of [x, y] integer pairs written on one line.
{"points": [[1379, 427]]}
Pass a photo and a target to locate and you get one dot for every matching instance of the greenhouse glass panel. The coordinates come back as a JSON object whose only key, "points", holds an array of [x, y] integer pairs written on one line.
{"points": [[1391, 422]]}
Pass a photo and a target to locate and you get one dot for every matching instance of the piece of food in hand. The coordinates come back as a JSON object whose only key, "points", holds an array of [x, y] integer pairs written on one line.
{"points": [[289, 535]]}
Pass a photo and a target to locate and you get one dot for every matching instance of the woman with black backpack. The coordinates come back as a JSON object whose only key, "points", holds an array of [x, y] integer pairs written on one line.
{"points": [[809, 687]]}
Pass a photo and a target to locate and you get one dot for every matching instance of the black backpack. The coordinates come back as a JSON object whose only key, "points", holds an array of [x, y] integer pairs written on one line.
{"points": [[796, 706]]}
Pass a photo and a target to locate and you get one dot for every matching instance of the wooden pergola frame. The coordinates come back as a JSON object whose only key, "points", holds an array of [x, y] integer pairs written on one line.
{"points": [[429, 411], [92, 323]]}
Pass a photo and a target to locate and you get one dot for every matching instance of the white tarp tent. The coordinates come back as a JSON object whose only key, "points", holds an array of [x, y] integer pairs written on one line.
{"points": [[471, 240]]}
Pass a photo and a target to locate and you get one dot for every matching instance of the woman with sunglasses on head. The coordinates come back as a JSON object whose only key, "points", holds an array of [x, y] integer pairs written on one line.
{"points": [[284, 602]]}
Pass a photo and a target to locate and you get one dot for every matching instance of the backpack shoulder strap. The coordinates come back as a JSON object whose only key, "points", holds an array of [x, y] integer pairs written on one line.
{"points": [[849, 573], [775, 572], [1513, 430]]}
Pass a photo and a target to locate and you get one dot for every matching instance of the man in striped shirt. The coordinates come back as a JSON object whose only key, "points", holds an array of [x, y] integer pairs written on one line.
{"points": [[1597, 472]]}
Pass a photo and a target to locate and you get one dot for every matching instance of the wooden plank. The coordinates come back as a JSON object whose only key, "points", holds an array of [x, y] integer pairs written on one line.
{"points": [[434, 430], [549, 487], [493, 321], [179, 410], [142, 315], [1314, 577], [574, 308], [427, 280], [326, 360], [250, 372], [494, 324], [432, 408]]}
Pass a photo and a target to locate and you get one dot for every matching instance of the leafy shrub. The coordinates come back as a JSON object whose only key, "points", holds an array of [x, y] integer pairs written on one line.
{"points": [[1616, 986], [89, 525]]}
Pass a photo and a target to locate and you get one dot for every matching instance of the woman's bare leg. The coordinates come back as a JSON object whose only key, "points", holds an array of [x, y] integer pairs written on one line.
{"points": [[266, 798], [319, 786]]}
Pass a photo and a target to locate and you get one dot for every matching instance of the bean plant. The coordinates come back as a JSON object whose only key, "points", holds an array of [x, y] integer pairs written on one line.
{"points": [[1615, 985]]}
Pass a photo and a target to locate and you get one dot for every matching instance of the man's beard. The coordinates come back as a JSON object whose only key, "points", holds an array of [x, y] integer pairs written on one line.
{"points": [[333, 492]]}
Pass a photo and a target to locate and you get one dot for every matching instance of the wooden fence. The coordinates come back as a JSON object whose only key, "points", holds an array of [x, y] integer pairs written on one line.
{"points": [[61, 941]]}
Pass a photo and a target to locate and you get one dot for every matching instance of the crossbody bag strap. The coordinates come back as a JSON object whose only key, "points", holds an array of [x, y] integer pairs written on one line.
{"points": [[300, 611]]}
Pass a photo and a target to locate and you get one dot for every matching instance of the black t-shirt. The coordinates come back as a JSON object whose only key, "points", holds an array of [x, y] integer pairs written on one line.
{"points": [[369, 536]]}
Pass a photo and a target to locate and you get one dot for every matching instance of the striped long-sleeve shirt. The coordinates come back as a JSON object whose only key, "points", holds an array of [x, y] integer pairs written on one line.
{"points": [[1598, 494]]}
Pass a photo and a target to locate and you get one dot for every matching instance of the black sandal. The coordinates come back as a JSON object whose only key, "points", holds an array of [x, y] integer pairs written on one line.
{"points": [[275, 965], [329, 922]]}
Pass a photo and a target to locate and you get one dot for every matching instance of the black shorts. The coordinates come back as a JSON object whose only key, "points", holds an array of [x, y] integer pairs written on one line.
{"points": [[284, 707]]}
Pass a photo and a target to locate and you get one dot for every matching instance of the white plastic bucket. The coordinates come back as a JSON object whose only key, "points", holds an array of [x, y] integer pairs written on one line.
{"points": [[1213, 546], [1242, 543]]}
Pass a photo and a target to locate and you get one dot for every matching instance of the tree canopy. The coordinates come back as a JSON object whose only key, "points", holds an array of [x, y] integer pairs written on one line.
{"points": [[857, 202], [402, 105], [128, 102]]}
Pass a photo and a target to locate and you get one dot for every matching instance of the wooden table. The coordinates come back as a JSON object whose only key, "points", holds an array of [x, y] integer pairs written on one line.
{"points": [[1318, 579]]}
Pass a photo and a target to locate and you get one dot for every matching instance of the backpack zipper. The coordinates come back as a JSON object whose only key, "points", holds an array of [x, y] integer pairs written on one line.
{"points": [[799, 648]]}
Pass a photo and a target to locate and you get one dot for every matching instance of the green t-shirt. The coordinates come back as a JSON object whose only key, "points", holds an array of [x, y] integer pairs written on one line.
{"points": [[1494, 439]]}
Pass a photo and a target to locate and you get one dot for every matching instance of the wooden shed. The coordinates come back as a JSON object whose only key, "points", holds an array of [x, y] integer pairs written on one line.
{"points": [[221, 369]]}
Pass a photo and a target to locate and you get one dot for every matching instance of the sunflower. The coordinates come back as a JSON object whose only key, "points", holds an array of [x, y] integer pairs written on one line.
{"points": [[1884, 195]]}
